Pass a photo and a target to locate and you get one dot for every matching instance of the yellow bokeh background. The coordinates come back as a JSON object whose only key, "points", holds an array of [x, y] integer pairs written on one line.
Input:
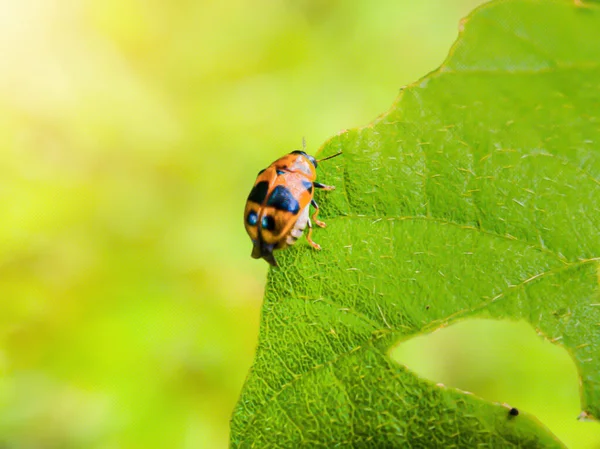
{"points": [[130, 134]]}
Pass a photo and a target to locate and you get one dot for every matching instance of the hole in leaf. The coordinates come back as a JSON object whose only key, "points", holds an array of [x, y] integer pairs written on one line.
{"points": [[505, 362]]}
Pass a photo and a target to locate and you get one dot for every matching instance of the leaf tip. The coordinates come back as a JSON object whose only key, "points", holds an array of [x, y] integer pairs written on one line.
{"points": [[461, 24]]}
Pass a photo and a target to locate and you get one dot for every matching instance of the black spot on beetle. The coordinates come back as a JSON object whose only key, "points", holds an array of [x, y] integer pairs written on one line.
{"points": [[513, 412], [268, 223], [307, 185], [252, 218], [259, 192], [261, 172], [282, 199]]}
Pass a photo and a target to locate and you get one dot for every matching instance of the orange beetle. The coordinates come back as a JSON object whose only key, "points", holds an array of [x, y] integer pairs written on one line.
{"points": [[276, 211]]}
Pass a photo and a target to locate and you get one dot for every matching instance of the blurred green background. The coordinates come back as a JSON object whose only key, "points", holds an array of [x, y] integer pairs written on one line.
{"points": [[130, 134]]}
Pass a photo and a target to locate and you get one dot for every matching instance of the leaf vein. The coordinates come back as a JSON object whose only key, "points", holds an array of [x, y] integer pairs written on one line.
{"points": [[509, 290], [461, 226], [296, 379]]}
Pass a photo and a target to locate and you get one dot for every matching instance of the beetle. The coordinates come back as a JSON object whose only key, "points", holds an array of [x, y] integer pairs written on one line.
{"points": [[277, 208]]}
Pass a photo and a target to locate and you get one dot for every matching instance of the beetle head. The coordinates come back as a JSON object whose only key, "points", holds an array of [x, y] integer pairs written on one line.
{"points": [[307, 156]]}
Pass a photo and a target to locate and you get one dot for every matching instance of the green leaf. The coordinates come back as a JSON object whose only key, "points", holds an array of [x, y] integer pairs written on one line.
{"points": [[476, 195]]}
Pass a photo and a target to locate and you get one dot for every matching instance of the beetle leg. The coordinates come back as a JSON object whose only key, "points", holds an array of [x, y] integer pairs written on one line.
{"points": [[318, 185], [308, 236], [314, 216]]}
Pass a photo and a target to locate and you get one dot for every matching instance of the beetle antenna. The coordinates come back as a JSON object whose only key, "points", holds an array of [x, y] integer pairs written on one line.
{"points": [[330, 157]]}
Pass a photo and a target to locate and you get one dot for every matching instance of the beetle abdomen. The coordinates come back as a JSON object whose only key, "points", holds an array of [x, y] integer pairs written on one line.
{"points": [[298, 228]]}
